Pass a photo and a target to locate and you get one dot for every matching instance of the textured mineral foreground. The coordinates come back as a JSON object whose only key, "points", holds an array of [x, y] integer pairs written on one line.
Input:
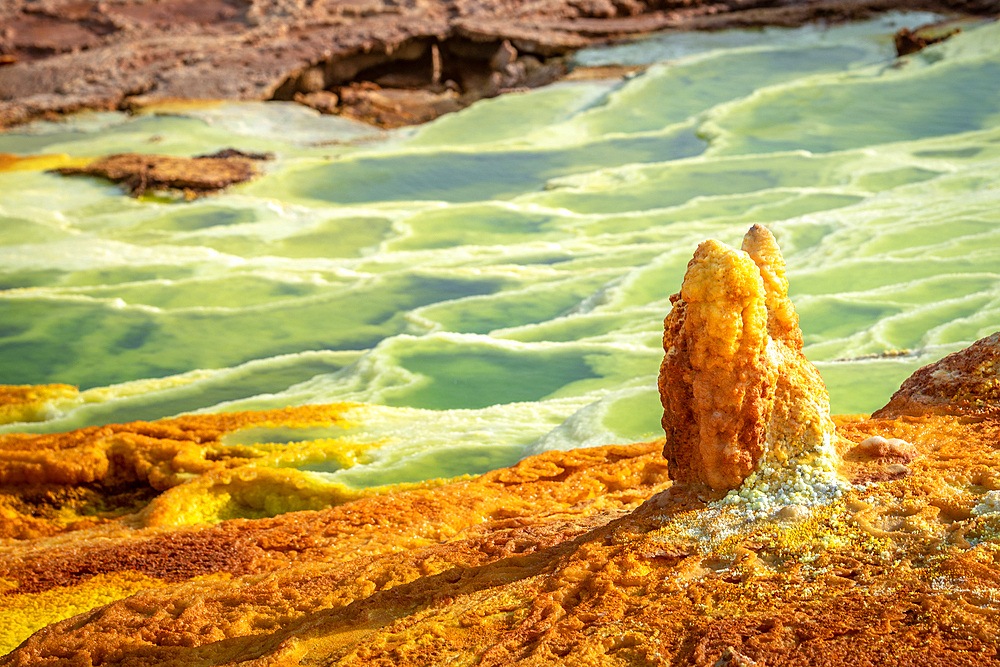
{"points": [[890, 556]]}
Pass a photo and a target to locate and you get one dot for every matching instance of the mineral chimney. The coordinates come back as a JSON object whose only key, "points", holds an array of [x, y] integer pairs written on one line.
{"points": [[739, 398]]}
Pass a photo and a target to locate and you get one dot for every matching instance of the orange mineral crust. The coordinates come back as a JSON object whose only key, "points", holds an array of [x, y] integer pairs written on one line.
{"points": [[268, 573], [67, 481], [586, 557]]}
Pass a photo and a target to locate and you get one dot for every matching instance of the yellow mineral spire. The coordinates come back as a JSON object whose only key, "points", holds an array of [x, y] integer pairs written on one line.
{"points": [[741, 404], [782, 322]]}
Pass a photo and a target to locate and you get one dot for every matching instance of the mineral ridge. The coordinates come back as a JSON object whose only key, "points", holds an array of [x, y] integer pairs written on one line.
{"points": [[586, 557]]}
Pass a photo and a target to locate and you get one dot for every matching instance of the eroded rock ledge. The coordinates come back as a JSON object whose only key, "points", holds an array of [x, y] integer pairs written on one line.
{"points": [[966, 382], [390, 62]]}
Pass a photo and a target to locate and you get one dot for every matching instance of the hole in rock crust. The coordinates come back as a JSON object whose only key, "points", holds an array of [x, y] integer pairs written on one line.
{"points": [[418, 80]]}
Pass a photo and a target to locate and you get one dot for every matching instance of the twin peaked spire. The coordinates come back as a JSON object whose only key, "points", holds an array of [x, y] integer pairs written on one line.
{"points": [[739, 398]]}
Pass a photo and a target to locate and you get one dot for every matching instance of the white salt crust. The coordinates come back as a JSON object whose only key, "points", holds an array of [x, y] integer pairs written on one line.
{"points": [[807, 479], [990, 504]]}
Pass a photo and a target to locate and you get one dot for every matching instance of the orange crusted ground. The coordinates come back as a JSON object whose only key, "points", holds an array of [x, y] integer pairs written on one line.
{"points": [[582, 557], [67, 481]]}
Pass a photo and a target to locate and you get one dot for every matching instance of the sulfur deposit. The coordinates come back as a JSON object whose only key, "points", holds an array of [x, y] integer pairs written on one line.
{"points": [[51, 483], [27, 403], [586, 557], [740, 400]]}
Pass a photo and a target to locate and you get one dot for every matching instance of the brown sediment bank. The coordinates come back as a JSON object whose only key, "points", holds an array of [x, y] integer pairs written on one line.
{"points": [[193, 177], [388, 62]]}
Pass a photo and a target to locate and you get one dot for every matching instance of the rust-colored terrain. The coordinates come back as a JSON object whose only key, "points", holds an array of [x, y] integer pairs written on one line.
{"points": [[193, 177]]}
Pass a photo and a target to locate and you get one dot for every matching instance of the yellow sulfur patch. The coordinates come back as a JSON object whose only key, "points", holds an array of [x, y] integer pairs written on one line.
{"points": [[176, 106], [28, 612], [138, 387], [26, 403], [10, 162], [245, 493]]}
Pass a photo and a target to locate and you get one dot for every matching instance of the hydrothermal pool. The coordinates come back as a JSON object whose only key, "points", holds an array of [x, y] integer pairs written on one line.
{"points": [[494, 282]]}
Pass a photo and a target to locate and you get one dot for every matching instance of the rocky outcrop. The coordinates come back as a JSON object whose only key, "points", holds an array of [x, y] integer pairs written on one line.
{"points": [[58, 56], [193, 177], [738, 395], [911, 41], [963, 383]]}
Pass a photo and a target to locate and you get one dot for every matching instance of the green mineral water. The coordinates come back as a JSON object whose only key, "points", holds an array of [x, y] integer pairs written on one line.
{"points": [[493, 284]]}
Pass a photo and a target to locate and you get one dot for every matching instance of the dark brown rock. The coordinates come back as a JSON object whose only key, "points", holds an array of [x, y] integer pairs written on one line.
{"points": [[908, 41], [963, 383], [193, 176], [64, 55]]}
